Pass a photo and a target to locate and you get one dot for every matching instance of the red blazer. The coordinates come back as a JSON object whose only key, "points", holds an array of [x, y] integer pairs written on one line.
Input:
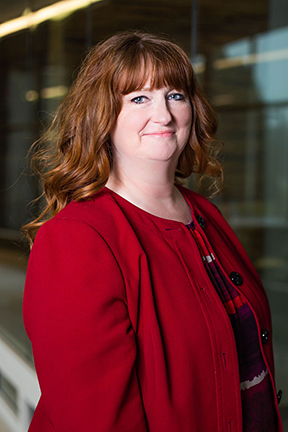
{"points": [[127, 331]]}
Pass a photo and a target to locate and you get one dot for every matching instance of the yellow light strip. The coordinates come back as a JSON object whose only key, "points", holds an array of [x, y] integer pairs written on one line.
{"points": [[57, 10], [54, 92], [47, 93], [250, 59]]}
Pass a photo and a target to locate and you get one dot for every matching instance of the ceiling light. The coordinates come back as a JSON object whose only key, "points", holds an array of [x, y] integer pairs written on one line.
{"points": [[56, 11]]}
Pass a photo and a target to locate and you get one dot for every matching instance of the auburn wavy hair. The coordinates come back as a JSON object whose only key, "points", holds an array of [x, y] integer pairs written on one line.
{"points": [[73, 158]]}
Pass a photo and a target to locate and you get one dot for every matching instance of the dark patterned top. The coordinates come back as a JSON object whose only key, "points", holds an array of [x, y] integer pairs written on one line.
{"points": [[255, 384]]}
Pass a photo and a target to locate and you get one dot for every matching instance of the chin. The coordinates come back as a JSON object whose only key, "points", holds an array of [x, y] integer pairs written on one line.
{"points": [[164, 156]]}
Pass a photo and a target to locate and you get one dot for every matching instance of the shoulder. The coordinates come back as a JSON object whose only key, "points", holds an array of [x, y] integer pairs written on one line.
{"points": [[93, 211], [74, 239], [97, 213], [96, 220]]}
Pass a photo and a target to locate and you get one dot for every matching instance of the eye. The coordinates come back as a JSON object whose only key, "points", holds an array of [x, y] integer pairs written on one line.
{"points": [[139, 99], [176, 96]]}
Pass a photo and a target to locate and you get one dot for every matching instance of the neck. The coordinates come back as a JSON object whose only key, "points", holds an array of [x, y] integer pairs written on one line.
{"points": [[153, 180], [152, 189]]}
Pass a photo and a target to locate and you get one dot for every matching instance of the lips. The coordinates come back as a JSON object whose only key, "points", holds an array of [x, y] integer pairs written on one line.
{"points": [[160, 134]]}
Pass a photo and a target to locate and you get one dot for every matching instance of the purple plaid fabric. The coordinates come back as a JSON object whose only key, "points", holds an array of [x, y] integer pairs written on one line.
{"points": [[255, 384]]}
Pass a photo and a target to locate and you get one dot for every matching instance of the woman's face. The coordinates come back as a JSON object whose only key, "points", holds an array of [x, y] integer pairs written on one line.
{"points": [[152, 125]]}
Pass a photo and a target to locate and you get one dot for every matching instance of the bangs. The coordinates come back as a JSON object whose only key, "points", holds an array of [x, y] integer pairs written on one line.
{"points": [[163, 68]]}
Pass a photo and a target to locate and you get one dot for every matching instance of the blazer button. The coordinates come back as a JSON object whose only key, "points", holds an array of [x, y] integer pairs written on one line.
{"points": [[279, 396], [236, 278], [200, 221], [264, 336]]}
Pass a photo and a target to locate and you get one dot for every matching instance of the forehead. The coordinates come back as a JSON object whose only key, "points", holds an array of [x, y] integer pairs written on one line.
{"points": [[151, 75]]}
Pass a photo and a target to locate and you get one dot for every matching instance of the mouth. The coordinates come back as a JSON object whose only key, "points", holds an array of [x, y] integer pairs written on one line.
{"points": [[160, 134]]}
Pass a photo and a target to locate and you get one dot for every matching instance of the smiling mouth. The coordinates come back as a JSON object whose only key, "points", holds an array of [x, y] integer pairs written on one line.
{"points": [[163, 134]]}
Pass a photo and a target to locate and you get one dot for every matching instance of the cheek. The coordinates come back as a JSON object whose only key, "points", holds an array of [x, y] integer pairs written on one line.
{"points": [[119, 129], [189, 115], [184, 116], [185, 124], [186, 119], [129, 122]]}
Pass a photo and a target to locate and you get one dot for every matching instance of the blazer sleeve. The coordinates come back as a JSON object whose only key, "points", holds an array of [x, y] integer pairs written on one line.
{"points": [[76, 317]]}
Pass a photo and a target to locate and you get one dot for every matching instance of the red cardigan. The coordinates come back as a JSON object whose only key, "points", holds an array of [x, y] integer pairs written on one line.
{"points": [[128, 333]]}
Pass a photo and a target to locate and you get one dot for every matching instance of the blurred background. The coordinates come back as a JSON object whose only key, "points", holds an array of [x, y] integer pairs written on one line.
{"points": [[239, 49]]}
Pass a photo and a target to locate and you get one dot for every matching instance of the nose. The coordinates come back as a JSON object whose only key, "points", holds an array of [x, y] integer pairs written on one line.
{"points": [[161, 113]]}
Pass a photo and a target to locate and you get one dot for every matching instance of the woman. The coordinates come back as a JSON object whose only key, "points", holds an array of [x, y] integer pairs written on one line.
{"points": [[144, 312]]}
